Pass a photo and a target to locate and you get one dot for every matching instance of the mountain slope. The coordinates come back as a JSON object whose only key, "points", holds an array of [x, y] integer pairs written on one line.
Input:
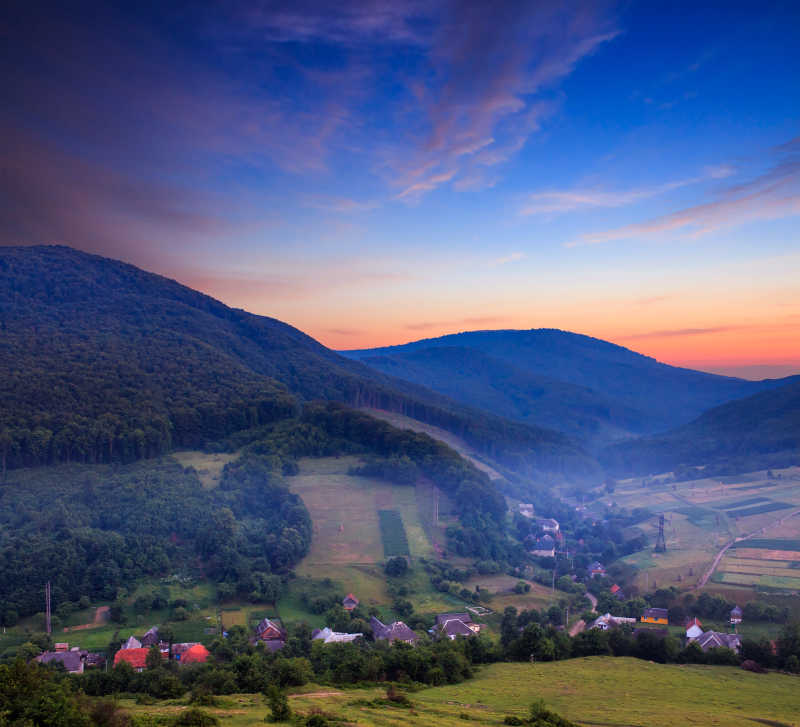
{"points": [[583, 386], [107, 362], [759, 431]]}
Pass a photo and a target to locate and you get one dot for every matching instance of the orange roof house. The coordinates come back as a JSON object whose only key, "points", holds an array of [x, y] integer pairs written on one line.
{"points": [[137, 658], [197, 654]]}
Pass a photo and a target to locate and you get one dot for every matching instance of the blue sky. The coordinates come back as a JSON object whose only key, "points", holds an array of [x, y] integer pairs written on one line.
{"points": [[378, 172]]}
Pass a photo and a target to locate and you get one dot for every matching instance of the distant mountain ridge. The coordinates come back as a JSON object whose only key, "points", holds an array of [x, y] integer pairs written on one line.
{"points": [[591, 389], [106, 361], [757, 432]]}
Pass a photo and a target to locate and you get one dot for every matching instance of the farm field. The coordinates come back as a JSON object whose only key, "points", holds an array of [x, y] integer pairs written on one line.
{"points": [[593, 691], [502, 585], [344, 510], [770, 563], [701, 516]]}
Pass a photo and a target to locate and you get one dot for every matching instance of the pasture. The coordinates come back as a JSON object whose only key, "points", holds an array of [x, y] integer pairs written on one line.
{"points": [[703, 515], [593, 691]]}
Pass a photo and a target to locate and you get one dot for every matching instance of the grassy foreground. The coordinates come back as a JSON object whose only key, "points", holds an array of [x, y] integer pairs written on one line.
{"points": [[601, 691]]}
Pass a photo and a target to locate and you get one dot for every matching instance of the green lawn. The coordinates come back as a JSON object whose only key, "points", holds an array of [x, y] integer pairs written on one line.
{"points": [[596, 691]]}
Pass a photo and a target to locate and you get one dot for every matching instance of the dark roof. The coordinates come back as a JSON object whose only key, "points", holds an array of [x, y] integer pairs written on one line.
{"points": [[71, 660], [350, 600], [266, 624], [736, 611], [715, 639], [151, 637], [655, 613], [456, 627], [442, 617], [396, 631], [597, 565]]}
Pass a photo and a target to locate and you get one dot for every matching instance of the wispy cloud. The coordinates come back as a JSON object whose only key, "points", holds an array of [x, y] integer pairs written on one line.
{"points": [[681, 332], [474, 321], [773, 194], [512, 258], [559, 201], [341, 204]]}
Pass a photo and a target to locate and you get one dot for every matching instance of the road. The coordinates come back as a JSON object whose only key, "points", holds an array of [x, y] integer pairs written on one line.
{"points": [[733, 542]]}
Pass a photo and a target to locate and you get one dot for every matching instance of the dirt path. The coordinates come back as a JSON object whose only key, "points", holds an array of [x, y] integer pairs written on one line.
{"points": [[739, 539], [593, 600], [100, 618], [315, 695], [577, 627]]}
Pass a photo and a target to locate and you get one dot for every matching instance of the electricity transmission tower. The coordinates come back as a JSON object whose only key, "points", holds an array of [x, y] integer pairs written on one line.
{"points": [[661, 543]]}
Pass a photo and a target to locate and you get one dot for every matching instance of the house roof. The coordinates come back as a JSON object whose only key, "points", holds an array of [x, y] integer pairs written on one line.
{"points": [[350, 598], [397, 631], [328, 636], [268, 624], [443, 617], [655, 613], [736, 611], [597, 565], [137, 658], [71, 660], [196, 654], [274, 644], [456, 627], [182, 647], [132, 643], [547, 522], [714, 639], [694, 621]]}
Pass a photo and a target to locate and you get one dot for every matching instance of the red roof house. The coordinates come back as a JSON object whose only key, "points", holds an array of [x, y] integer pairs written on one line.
{"points": [[350, 602], [137, 658], [197, 654]]}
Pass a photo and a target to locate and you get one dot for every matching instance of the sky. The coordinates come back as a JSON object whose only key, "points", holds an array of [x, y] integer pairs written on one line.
{"points": [[378, 172]]}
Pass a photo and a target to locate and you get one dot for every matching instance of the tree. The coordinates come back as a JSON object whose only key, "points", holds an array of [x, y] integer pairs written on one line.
{"points": [[153, 660], [278, 705], [396, 567]]}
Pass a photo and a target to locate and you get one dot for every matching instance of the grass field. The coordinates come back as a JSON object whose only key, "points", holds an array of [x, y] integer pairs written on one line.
{"points": [[596, 691], [393, 534], [208, 466]]}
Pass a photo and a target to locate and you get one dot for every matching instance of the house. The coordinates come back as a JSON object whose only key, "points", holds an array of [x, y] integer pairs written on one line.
{"points": [[70, 660], [136, 657], [547, 524], [714, 640], [596, 569], [616, 591], [526, 510], [607, 621], [132, 643], [93, 660], [693, 629], [270, 630], [736, 615], [178, 650], [151, 637], [328, 636], [195, 654], [350, 602], [544, 547], [656, 616], [455, 624], [396, 631], [61, 646]]}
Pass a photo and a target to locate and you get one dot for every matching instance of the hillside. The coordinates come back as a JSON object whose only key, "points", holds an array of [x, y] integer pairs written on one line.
{"points": [[106, 362], [759, 431], [588, 388]]}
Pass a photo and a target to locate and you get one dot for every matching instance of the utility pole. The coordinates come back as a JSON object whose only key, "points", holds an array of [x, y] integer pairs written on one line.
{"points": [[47, 606], [661, 543]]}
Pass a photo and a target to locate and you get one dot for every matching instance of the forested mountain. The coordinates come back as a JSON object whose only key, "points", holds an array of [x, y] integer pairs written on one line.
{"points": [[105, 362], [591, 389], [757, 432]]}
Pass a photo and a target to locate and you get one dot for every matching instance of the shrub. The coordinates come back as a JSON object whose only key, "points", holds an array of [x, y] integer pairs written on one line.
{"points": [[194, 717]]}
